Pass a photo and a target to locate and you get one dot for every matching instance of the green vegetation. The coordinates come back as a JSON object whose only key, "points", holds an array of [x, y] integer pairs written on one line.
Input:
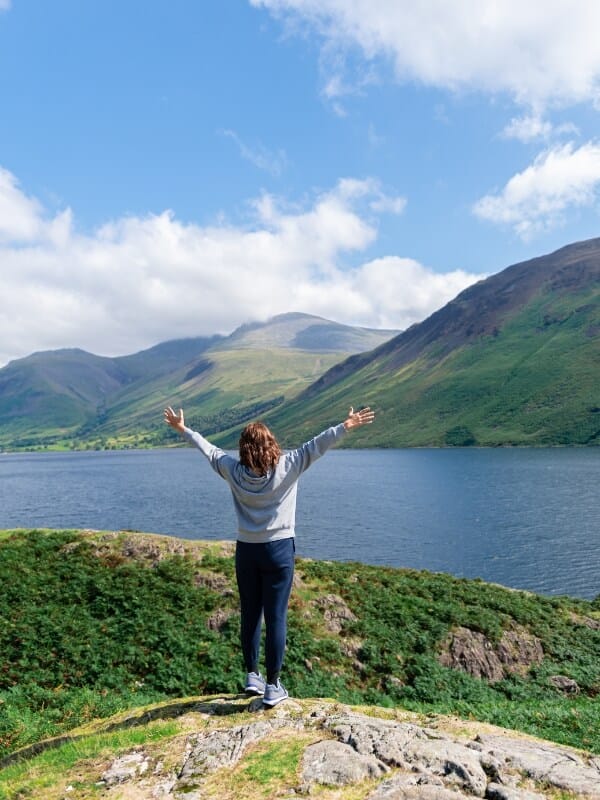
{"points": [[224, 389], [513, 360], [96, 623], [532, 381], [265, 769], [68, 399], [32, 778]]}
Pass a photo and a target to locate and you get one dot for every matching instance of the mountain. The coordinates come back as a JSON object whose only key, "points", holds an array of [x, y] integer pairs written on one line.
{"points": [[306, 332], [74, 398], [52, 395], [514, 359]]}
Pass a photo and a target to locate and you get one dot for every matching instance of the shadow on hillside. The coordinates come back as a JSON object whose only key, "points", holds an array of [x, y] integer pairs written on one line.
{"points": [[219, 706], [216, 706]]}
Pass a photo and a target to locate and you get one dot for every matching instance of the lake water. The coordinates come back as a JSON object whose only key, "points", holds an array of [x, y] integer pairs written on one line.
{"points": [[525, 518]]}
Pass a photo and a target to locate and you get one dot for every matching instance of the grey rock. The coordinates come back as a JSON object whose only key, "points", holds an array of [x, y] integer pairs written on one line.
{"points": [[457, 764], [518, 649], [565, 684], [574, 778], [407, 787], [221, 748], [497, 791], [428, 764], [557, 766], [214, 581], [163, 789], [589, 622], [217, 620], [336, 764], [335, 612], [387, 740], [351, 646], [400, 744], [125, 768], [470, 651]]}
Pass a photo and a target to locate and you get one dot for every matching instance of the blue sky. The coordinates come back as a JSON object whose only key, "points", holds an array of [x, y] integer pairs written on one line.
{"points": [[177, 169]]}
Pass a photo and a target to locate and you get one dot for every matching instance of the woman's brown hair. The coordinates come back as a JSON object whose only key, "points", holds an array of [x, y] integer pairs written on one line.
{"points": [[259, 450]]}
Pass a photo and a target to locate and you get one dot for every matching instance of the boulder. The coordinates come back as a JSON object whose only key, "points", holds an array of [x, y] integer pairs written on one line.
{"points": [[472, 652], [565, 684], [335, 612], [335, 764], [557, 766]]}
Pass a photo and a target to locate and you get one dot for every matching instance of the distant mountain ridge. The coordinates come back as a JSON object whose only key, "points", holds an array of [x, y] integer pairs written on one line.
{"points": [[70, 396], [513, 359], [306, 332]]}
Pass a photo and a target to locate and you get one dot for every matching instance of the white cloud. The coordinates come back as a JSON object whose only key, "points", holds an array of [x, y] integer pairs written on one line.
{"points": [[528, 128], [389, 205], [140, 280], [540, 52], [19, 214], [260, 156], [532, 126], [5, 5], [537, 198]]}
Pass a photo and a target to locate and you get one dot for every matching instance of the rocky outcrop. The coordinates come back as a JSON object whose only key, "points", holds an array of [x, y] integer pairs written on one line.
{"points": [[588, 622], [334, 763], [472, 652], [335, 612], [219, 618], [215, 582], [391, 756], [564, 684]]}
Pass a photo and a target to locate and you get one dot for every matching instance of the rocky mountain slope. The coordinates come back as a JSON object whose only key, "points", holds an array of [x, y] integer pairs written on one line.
{"points": [[226, 747], [514, 359]]}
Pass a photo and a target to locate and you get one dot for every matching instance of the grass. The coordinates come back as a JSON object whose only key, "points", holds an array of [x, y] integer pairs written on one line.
{"points": [[88, 632], [268, 769], [238, 385], [52, 770], [533, 383]]}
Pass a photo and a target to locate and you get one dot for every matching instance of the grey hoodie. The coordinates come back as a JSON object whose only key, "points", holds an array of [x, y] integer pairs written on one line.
{"points": [[266, 504]]}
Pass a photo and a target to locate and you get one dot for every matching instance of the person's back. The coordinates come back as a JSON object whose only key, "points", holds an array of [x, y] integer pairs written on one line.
{"points": [[265, 501], [263, 483]]}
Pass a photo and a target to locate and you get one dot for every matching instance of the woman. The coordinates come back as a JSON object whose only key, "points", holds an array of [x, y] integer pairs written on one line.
{"points": [[263, 482]]}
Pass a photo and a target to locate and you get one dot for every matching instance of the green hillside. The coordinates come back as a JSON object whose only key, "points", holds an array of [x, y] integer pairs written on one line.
{"points": [[223, 388], [513, 360], [70, 398], [94, 623]]}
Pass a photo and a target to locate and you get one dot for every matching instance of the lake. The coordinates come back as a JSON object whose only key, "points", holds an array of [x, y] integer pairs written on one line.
{"points": [[525, 518]]}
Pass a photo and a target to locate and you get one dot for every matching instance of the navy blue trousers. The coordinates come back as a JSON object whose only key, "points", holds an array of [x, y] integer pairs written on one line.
{"points": [[264, 576]]}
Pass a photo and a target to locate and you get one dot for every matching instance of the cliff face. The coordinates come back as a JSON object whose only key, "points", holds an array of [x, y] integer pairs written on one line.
{"points": [[227, 747]]}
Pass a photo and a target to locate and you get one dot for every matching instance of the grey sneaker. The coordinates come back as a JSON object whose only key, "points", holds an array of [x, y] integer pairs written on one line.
{"points": [[274, 693], [255, 683]]}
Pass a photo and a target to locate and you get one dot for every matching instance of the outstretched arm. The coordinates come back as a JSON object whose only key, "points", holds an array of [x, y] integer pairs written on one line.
{"points": [[308, 453], [357, 418], [219, 460], [176, 421]]}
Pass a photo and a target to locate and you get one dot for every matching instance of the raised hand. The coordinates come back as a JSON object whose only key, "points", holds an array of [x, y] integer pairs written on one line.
{"points": [[175, 420], [357, 418]]}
